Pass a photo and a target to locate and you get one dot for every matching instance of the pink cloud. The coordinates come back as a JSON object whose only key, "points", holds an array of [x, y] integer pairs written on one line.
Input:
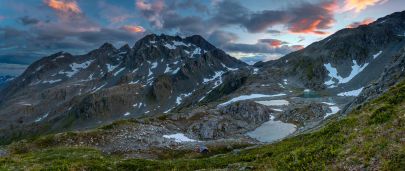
{"points": [[312, 25], [133, 28], [63, 6], [142, 5], [360, 5], [364, 22]]}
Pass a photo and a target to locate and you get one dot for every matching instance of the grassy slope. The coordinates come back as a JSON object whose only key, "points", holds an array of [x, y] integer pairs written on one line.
{"points": [[371, 137]]}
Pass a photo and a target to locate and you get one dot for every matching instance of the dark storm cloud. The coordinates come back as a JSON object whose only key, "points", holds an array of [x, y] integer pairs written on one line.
{"points": [[222, 38], [303, 18], [11, 69], [28, 20], [71, 31], [273, 31], [189, 24], [187, 4], [226, 40], [260, 48], [77, 42], [229, 12], [273, 42], [261, 21], [108, 35]]}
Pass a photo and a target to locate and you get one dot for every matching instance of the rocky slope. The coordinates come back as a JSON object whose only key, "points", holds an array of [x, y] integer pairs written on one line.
{"points": [[347, 60], [369, 138], [158, 74], [393, 74]]}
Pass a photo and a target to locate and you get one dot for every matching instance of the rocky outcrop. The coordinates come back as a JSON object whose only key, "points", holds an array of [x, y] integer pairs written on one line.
{"points": [[301, 114], [230, 121], [163, 88]]}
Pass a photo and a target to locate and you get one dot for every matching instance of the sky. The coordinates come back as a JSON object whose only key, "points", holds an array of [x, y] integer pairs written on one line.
{"points": [[254, 29]]}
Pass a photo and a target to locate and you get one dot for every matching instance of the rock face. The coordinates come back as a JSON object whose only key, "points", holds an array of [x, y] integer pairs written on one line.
{"points": [[348, 59], [159, 73], [235, 119], [305, 113]]}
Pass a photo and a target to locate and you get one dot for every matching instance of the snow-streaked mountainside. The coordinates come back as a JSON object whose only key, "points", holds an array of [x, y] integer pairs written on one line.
{"points": [[159, 74], [348, 59]]}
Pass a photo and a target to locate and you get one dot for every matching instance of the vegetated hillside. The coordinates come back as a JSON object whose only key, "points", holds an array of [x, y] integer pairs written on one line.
{"points": [[371, 137]]}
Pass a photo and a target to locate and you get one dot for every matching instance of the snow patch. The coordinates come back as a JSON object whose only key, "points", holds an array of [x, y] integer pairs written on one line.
{"points": [[42, 117], [111, 67], [168, 69], [255, 70], [181, 96], [169, 46], [277, 110], [176, 71], [154, 65], [377, 54], [150, 73], [334, 110], [351, 93], [39, 68], [51, 81], [168, 110], [179, 137], [99, 88], [228, 68], [247, 97], [333, 73], [197, 51], [75, 67], [216, 75], [328, 103], [119, 71], [177, 43], [134, 82], [285, 81], [274, 102]]}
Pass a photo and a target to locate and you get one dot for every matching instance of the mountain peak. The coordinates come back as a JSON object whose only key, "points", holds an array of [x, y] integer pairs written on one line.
{"points": [[125, 48], [200, 41], [107, 46], [197, 40]]}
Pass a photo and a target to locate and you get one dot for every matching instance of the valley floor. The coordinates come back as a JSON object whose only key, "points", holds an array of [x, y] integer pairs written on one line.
{"points": [[371, 137]]}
